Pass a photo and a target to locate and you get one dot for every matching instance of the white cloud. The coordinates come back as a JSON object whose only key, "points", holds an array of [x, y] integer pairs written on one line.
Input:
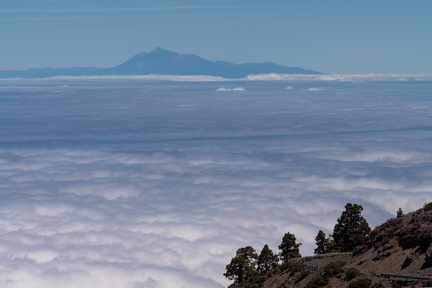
{"points": [[180, 78], [162, 194], [252, 77], [231, 89], [340, 77], [191, 218]]}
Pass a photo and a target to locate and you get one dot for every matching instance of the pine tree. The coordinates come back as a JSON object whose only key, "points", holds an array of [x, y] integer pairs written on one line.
{"points": [[321, 242], [242, 266], [266, 260], [289, 248], [399, 213], [351, 229]]}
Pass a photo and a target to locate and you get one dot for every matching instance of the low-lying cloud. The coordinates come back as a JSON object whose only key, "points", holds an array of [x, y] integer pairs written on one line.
{"points": [[339, 77], [163, 193], [230, 89], [180, 78], [251, 77]]}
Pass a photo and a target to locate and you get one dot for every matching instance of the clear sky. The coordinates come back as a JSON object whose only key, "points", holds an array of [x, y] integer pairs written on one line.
{"points": [[379, 36]]}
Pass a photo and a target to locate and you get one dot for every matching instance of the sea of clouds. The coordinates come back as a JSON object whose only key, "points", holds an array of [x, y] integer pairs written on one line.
{"points": [[131, 184]]}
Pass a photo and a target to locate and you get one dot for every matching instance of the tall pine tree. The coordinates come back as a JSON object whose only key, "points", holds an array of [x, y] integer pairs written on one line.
{"points": [[266, 260], [351, 229], [242, 266], [321, 242], [289, 248]]}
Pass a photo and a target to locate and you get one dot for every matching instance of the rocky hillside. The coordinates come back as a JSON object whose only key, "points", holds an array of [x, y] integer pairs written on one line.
{"points": [[400, 248]]}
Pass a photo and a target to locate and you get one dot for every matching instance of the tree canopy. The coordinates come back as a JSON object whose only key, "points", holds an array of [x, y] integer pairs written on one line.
{"points": [[321, 242], [242, 266], [324, 244], [266, 260], [289, 248], [351, 229], [399, 213]]}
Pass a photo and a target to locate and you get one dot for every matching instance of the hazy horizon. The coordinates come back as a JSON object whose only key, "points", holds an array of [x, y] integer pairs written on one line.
{"points": [[390, 37]]}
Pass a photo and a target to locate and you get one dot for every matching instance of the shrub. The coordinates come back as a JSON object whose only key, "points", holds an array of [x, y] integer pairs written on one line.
{"points": [[408, 260], [302, 275], [258, 279], [351, 273], [427, 207], [317, 282], [292, 267], [333, 269], [361, 283]]}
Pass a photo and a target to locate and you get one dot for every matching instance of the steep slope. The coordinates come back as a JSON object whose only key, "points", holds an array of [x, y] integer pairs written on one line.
{"points": [[400, 246]]}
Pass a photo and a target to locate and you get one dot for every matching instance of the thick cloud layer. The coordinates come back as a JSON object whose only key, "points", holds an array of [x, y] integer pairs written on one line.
{"points": [[156, 184]]}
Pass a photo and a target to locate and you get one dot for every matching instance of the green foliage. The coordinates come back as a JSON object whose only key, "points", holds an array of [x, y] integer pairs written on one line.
{"points": [[321, 242], [324, 244], [408, 260], [428, 283], [289, 248], [333, 269], [427, 206], [331, 246], [295, 268], [266, 260], [351, 229], [303, 275], [351, 273], [361, 283], [257, 279], [399, 213], [317, 282], [242, 266]]}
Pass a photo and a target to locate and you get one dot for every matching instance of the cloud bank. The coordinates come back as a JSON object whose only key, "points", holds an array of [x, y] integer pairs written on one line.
{"points": [[257, 77], [179, 78], [156, 185], [340, 77]]}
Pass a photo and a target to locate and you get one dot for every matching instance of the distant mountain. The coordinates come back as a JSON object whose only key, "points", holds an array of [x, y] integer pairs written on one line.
{"points": [[163, 62]]}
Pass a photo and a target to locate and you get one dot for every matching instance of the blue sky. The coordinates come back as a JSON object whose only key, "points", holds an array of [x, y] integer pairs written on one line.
{"points": [[328, 36]]}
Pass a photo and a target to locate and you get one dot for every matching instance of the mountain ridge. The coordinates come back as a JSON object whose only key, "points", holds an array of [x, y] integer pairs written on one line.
{"points": [[160, 61]]}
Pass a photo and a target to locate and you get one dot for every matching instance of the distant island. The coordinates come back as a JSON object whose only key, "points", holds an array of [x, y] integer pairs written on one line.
{"points": [[163, 62]]}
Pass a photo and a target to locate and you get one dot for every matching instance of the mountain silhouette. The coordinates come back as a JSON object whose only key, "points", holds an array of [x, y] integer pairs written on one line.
{"points": [[163, 62]]}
